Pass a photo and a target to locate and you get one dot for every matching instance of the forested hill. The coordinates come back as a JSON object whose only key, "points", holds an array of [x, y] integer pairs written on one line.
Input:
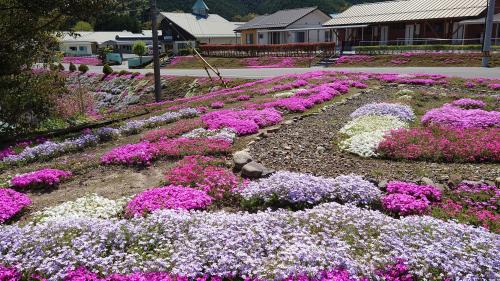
{"points": [[231, 8]]}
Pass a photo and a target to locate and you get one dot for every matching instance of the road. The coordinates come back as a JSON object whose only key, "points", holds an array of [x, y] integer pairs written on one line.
{"points": [[463, 72]]}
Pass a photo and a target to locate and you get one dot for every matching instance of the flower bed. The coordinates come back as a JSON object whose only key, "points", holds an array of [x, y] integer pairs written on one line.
{"points": [[244, 122], [186, 146], [369, 123], [294, 188], [455, 117], [141, 154], [40, 179], [354, 59], [217, 105], [11, 203], [408, 198], [469, 103], [90, 206], [168, 197], [226, 134], [442, 144], [177, 128], [82, 60], [200, 173], [267, 245], [403, 112], [471, 203]]}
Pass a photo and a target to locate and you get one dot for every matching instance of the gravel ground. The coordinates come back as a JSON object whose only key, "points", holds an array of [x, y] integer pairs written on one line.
{"points": [[307, 145]]}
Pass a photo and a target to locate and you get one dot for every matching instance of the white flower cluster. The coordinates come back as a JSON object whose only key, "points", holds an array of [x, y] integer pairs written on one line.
{"points": [[226, 134], [90, 206], [366, 131]]}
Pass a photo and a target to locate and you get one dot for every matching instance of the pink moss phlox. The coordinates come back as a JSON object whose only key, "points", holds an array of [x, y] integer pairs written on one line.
{"points": [[141, 154], [11, 203], [41, 178], [168, 197], [191, 146], [244, 122]]}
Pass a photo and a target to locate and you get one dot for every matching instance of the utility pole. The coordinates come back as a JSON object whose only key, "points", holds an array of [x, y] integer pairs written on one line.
{"points": [[156, 53], [488, 30]]}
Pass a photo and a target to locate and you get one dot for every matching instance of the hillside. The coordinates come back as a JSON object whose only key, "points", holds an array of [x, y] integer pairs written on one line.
{"points": [[231, 8]]}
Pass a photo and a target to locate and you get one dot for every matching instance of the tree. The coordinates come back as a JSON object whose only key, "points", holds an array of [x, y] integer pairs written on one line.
{"points": [[82, 26], [245, 18], [102, 52], [118, 23], [83, 68], [139, 48]]}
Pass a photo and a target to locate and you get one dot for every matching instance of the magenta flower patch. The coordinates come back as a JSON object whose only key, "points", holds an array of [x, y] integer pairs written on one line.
{"points": [[406, 198], [168, 197], [141, 153], [452, 116], [41, 178], [244, 122], [11, 203]]}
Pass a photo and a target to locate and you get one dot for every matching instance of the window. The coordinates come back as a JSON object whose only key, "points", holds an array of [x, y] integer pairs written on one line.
{"points": [[261, 36], [300, 37], [83, 48], [249, 38], [73, 48], [275, 37]]}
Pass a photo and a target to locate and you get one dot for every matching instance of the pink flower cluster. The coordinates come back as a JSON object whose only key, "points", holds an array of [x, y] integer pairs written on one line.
{"points": [[244, 122], [82, 60], [305, 99], [167, 197], [243, 97], [442, 144], [6, 152], [11, 203], [469, 103], [142, 154], [201, 173], [192, 146], [355, 59], [217, 105], [177, 128], [408, 198], [9, 274], [399, 271], [494, 86], [452, 116], [40, 179]]}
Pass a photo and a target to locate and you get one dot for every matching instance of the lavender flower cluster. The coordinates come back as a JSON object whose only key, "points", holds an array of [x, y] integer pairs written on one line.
{"points": [[455, 117], [305, 188], [136, 126], [11, 203], [403, 112], [269, 245], [51, 149]]}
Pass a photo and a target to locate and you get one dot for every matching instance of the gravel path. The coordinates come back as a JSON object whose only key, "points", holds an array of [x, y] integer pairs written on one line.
{"points": [[307, 145]]}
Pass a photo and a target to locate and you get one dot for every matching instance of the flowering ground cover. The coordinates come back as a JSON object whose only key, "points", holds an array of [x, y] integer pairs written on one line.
{"points": [[187, 216], [255, 62], [40, 179], [12, 202]]}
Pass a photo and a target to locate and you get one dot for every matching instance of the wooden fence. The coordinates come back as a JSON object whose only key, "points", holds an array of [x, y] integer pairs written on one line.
{"points": [[284, 50]]}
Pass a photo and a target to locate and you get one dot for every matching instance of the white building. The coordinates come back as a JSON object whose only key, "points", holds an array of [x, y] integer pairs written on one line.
{"points": [[303, 25]]}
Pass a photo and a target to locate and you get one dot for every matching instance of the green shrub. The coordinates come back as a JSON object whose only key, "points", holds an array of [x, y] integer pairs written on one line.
{"points": [[61, 67], [83, 68], [106, 69], [185, 52], [123, 72], [72, 67]]}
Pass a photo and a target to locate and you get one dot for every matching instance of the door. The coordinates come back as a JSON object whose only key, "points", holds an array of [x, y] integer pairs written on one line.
{"points": [[384, 34], [409, 33], [457, 33]]}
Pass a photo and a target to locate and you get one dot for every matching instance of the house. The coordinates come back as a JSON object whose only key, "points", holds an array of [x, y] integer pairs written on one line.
{"points": [[286, 26], [198, 27], [87, 43], [411, 22]]}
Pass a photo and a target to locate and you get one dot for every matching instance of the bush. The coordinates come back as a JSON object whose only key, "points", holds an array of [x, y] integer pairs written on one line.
{"points": [[405, 48], [83, 68], [72, 67], [27, 100], [61, 67], [106, 69]]}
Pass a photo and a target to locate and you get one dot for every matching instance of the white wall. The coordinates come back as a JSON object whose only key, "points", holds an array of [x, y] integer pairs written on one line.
{"points": [[76, 48], [220, 40], [314, 19]]}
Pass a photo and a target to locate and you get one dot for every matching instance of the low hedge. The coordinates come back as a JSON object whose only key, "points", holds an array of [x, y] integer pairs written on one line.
{"points": [[405, 48]]}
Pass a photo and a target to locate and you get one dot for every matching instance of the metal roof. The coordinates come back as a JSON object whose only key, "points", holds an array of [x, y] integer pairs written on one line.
{"points": [[98, 37], [280, 19], [407, 10], [202, 27], [496, 19]]}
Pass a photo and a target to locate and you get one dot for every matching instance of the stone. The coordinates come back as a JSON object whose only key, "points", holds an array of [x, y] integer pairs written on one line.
{"points": [[427, 181], [382, 184], [287, 147], [320, 149], [288, 122], [241, 158], [267, 172], [497, 181], [272, 130], [253, 170], [455, 179], [473, 183]]}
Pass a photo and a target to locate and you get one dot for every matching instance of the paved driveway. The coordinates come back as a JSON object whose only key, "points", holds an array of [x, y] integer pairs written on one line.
{"points": [[464, 72]]}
